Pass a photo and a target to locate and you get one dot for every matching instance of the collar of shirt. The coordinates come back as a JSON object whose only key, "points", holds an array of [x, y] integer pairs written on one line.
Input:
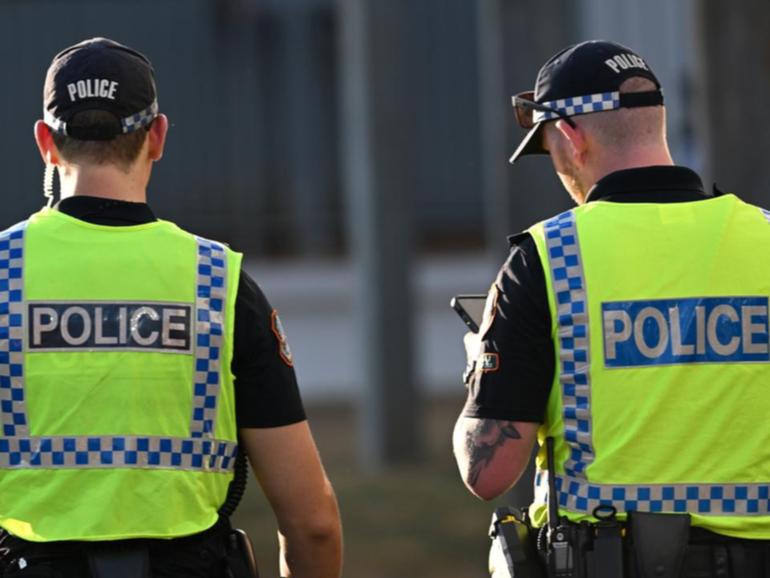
{"points": [[656, 184], [101, 211]]}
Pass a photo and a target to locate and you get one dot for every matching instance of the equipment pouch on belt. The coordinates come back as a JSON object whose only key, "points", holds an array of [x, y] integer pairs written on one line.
{"points": [[241, 562], [513, 552], [659, 542]]}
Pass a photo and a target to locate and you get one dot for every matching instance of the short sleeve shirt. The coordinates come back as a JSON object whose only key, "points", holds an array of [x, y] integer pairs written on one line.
{"points": [[517, 386]]}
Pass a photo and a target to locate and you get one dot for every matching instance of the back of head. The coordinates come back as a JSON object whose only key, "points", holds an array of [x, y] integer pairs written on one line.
{"points": [[596, 81], [99, 100], [627, 129]]}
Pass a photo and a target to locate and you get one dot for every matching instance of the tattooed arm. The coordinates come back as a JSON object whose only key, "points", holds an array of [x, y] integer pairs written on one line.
{"points": [[491, 453]]}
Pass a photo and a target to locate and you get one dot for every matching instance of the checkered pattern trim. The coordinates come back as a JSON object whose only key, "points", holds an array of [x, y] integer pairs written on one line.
{"points": [[55, 124], [577, 495], [578, 105], [13, 410], [766, 214], [140, 119], [210, 294], [571, 303], [117, 452]]}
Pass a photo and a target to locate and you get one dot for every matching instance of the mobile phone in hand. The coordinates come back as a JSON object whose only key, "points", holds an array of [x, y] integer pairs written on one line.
{"points": [[470, 308]]}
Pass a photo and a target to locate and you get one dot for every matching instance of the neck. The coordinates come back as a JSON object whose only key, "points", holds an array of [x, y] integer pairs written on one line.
{"points": [[631, 159], [104, 181]]}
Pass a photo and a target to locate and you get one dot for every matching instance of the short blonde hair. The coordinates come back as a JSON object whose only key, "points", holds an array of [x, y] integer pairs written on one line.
{"points": [[628, 127]]}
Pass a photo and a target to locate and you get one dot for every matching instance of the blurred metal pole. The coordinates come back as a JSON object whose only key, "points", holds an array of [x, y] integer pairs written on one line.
{"points": [[493, 102], [376, 174]]}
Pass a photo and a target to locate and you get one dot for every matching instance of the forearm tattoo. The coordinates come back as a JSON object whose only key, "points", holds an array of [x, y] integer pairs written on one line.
{"points": [[482, 442]]}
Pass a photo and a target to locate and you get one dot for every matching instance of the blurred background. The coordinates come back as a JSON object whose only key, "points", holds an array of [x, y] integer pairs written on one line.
{"points": [[356, 151]]}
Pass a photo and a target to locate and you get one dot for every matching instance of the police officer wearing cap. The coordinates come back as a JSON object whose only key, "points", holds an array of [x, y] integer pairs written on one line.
{"points": [[137, 361], [630, 335]]}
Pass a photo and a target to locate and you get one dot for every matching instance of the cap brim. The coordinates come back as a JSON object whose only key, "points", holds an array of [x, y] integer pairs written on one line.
{"points": [[531, 144]]}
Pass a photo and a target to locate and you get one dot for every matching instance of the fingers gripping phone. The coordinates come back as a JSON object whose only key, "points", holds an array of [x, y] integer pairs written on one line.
{"points": [[470, 308]]}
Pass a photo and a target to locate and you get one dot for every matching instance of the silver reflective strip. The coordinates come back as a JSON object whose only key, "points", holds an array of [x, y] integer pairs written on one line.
{"points": [[145, 452], [569, 289], [55, 124], [766, 214], [577, 495], [13, 408], [140, 119], [211, 291]]}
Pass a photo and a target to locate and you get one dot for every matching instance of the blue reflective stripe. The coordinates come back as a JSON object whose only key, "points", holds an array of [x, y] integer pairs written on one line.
{"points": [[116, 452], [569, 288], [579, 496], [12, 399], [211, 290]]}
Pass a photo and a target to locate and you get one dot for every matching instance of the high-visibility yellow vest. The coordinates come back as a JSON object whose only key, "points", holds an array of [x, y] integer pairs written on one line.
{"points": [[116, 394], [660, 326]]}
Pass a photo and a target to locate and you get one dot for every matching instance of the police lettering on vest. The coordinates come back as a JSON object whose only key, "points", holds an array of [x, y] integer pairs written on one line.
{"points": [[121, 325], [92, 88], [674, 331]]}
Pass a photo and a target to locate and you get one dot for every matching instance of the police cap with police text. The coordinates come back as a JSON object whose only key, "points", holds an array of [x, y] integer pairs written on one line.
{"points": [[581, 79], [99, 74]]}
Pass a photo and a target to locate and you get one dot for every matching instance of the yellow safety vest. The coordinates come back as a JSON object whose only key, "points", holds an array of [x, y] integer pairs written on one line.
{"points": [[116, 395], [660, 326]]}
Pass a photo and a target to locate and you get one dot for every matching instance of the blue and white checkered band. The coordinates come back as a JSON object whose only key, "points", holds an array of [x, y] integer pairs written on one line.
{"points": [[55, 124], [210, 312], [145, 452], [140, 119], [199, 452], [13, 409], [571, 302], [129, 124], [578, 105], [575, 492], [577, 495]]}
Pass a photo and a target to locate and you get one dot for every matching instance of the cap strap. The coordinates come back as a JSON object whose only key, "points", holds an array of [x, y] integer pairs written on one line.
{"points": [[597, 103], [578, 105], [140, 119], [55, 124], [639, 99]]}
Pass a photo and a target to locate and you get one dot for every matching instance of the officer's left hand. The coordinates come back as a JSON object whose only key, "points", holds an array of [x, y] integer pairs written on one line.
{"points": [[472, 342]]}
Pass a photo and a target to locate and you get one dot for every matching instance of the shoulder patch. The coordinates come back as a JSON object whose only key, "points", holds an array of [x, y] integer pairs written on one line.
{"points": [[489, 362], [280, 335]]}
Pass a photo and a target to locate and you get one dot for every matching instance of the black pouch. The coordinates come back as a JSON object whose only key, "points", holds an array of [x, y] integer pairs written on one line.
{"points": [[514, 551], [658, 543], [241, 561], [119, 560]]}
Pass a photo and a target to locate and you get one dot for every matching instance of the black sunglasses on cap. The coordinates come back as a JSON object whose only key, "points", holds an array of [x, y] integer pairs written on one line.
{"points": [[525, 106]]}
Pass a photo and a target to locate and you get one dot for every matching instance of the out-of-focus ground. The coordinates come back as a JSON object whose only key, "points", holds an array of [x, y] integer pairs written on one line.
{"points": [[414, 521]]}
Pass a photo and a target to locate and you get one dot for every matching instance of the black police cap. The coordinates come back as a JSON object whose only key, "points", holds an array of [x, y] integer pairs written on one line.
{"points": [[99, 74], [585, 78]]}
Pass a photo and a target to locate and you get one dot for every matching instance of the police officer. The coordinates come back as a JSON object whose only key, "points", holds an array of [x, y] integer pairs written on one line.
{"points": [[632, 330], [136, 361]]}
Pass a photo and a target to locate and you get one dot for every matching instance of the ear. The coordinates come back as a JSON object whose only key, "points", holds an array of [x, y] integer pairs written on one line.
{"points": [[45, 144], [157, 137], [576, 139]]}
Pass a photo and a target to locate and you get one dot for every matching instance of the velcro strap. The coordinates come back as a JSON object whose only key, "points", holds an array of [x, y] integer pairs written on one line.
{"points": [[639, 99]]}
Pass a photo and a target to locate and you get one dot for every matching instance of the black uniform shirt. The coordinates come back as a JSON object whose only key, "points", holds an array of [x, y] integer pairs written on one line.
{"points": [[266, 391], [520, 332]]}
